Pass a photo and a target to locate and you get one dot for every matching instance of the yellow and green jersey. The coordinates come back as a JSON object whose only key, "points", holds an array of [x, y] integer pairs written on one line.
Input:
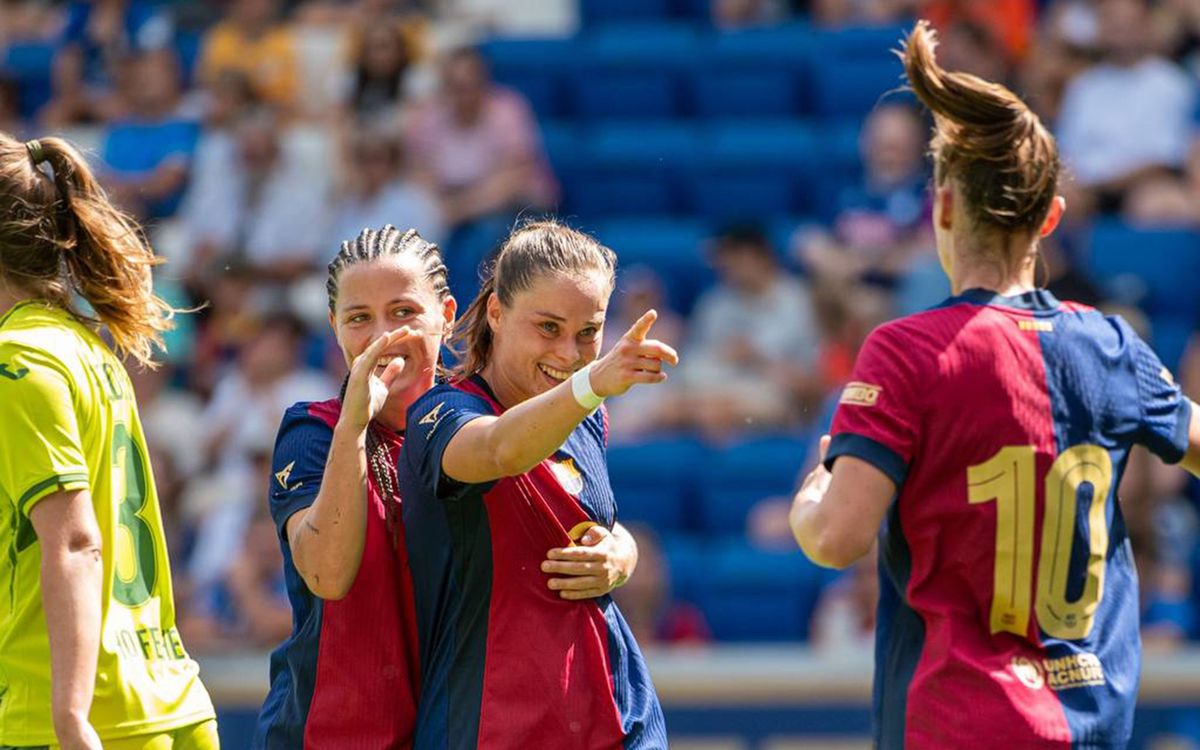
{"points": [[68, 421]]}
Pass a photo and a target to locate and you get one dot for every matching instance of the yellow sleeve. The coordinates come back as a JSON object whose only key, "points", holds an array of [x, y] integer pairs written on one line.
{"points": [[40, 448]]}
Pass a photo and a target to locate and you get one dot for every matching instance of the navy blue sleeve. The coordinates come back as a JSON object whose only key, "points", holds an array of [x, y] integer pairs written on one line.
{"points": [[298, 464], [432, 421], [1165, 413]]}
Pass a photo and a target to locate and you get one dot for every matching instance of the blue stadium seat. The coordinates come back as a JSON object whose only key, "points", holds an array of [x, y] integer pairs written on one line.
{"points": [[751, 193], [631, 168], [614, 93], [640, 45], [777, 144], [562, 141], [29, 64], [851, 88], [758, 595], [739, 476], [673, 247], [745, 91], [608, 11], [858, 42], [535, 67], [1155, 269], [652, 480], [1169, 336]]}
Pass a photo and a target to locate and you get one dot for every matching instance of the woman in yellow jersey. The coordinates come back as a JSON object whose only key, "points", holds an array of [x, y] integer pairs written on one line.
{"points": [[89, 653]]}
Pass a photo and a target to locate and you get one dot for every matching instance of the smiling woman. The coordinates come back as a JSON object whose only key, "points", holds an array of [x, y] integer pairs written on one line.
{"points": [[506, 461]]}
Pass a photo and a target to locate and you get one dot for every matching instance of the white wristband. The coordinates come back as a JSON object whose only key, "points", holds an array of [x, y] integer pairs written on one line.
{"points": [[581, 388]]}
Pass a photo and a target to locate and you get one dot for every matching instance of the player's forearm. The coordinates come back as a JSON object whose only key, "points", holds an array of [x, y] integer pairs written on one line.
{"points": [[327, 543], [517, 440], [71, 582]]}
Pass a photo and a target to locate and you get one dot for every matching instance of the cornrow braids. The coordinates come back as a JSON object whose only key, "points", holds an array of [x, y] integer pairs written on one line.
{"points": [[386, 242], [381, 468]]}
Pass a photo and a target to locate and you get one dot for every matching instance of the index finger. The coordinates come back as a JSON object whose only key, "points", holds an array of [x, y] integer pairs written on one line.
{"points": [[637, 332]]}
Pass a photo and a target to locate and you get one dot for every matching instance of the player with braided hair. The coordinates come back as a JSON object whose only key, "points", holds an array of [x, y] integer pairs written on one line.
{"points": [[335, 501]]}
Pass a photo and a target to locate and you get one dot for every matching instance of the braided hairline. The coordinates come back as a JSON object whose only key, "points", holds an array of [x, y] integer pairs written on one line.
{"points": [[372, 244]]}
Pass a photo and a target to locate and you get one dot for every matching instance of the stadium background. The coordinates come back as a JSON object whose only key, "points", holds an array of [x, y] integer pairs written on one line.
{"points": [[759, 174]]}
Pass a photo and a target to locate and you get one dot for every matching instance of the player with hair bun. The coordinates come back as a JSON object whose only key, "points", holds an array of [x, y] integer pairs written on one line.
{"points": [[983, 441]]}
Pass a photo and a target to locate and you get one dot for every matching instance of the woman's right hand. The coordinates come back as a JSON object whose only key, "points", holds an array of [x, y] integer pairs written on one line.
{"points": [[635, 359], [367, 391]]}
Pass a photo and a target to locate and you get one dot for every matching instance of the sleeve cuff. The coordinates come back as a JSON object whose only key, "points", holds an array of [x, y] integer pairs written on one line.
{"points": [[1183, 428], [71, 480], [872, 451], [285, 511]]}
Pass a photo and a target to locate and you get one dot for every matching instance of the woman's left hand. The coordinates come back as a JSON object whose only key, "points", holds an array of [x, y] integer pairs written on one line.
{"points": [[602, 561]]}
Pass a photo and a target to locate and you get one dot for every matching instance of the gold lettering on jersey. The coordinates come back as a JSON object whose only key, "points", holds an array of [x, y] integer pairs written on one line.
{"points": [[1063, 673], [282, 475], [861, 394], [1042, 326]]}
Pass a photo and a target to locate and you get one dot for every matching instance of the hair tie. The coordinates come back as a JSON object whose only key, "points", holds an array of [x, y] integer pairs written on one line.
{"points": [[35, 151]]}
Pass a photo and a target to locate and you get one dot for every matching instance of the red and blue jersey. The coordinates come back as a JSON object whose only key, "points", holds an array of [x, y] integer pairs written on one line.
{"points": [[505, 662], [1008, 612], [347, 676]]}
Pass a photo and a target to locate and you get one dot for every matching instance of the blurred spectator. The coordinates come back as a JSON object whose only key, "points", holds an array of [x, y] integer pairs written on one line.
{"points": [[147, 153], [973, 48], [882, 223], [469, 19], [646, 602], [171, 416], [477, 146], [752, 345], [379, 192], [1066, 45], [1112, 150], [259, 202], [251, 41], [836, 13], [844, 618], [640, 410], [1012, 21], [99, 36], [10, 109], [245, 408], [1163, 530], [741, 14], [381, 60]]}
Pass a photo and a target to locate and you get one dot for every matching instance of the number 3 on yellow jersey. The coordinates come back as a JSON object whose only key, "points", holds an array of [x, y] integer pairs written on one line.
{"points": [[1009, 478], [135, 568]]}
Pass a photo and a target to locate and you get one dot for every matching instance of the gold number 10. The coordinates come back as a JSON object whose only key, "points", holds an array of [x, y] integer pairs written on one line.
{"points": [[1008, 478]]}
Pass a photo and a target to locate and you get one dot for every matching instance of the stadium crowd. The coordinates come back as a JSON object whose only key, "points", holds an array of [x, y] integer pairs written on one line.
{"points": [[253, 136]]}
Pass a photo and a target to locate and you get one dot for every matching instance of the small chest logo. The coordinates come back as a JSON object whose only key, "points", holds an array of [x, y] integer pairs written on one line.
{"points": [[568, 476], [1028, 672], [1038, 326], [13, 375], [861, 394], [282, 475]]}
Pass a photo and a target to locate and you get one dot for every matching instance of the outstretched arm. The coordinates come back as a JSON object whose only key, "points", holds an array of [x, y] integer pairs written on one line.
{"points": [[488, 448]]}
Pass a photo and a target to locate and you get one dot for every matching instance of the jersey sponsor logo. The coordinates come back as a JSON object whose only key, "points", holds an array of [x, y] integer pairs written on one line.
{"points": [[861, 394], [282, 475], [568, 476], [1166, 375], [1066, 672], [13, 374], [1041, 326]]}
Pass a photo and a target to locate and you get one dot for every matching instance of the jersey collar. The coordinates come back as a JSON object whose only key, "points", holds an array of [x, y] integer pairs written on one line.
{"points": [[1038, 300]]}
